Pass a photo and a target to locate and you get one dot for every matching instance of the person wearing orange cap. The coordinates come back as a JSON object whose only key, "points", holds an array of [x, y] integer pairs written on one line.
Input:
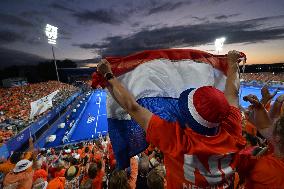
{"points": [[202, 153]]}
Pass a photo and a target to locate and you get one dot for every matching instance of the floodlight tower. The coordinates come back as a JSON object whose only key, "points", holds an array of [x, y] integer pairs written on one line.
{"points": [[51, 33]]}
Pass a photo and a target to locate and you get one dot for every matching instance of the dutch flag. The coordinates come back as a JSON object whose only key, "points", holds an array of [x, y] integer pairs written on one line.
{"points": [[156, 78]]}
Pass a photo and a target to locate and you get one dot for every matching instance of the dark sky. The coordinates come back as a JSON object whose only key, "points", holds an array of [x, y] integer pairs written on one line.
{"points": [[90, 28]]}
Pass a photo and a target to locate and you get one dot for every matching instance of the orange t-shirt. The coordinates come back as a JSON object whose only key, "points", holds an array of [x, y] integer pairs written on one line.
{"points": [[194, 160], [40, 173], [267, 172], [6, 167], [80, 151], [56, 183], [60, 173], [24, 179], [98, 180]]}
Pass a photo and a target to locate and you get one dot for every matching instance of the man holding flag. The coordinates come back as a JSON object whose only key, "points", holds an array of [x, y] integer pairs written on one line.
{"points": [[204, 152]]}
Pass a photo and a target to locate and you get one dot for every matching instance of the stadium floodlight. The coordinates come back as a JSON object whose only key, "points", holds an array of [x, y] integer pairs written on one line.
{"points": [[51, 34], [219, 42]]}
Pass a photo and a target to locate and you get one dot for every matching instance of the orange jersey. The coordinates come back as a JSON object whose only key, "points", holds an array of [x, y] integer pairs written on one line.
{"points": [[194, 160], [265, 172]]}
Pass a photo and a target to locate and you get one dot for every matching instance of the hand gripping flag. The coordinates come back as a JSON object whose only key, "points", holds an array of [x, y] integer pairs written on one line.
{"points": [[156, 78]]}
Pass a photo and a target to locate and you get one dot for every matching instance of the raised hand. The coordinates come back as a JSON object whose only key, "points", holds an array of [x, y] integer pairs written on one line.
{"points": [[275, 110], [266, 96], [257, 113], [253, 100], [104, 67], [233, 58]]}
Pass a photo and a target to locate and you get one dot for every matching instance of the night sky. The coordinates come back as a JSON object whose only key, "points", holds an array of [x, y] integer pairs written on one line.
{"points": [[94, 28]]}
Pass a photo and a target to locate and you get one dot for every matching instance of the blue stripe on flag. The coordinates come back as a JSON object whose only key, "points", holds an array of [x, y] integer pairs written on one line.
{"points": [[128, 139]]}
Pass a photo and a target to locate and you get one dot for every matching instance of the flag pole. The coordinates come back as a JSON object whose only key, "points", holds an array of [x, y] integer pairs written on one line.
{"points": [[55, 63]]}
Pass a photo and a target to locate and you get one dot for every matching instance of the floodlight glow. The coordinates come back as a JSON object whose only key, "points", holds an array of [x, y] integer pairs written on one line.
{"points": [[51, 33], [219, 43]]}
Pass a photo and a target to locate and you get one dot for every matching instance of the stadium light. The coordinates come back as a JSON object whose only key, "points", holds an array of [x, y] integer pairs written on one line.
{"points": [[51, 34], [219, 42]]}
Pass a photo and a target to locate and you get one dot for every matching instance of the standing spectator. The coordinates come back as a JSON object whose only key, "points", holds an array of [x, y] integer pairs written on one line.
{"points": [[143, 170], [268, 170], [16, 157], [118, 180], [133, 172], [22, 175], [39, 172], [156, 178], [218, 128]]}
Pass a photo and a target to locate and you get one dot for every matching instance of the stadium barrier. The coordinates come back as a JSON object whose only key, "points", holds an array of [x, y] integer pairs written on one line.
{"points": [[49, 116], [41, 142], [22, 137], [4, 151]]}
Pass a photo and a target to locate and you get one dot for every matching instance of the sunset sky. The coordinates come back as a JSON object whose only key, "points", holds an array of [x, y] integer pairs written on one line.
{"points": [[92, 28]]}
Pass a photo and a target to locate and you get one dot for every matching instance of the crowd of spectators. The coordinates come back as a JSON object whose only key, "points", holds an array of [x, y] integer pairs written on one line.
{"points": [[85, 85], [87, 165], [92, 164], [263, 77], [15, 104]]}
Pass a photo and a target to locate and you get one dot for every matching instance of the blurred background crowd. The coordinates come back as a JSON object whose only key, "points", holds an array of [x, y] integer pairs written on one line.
{"points": [[264, 77]]}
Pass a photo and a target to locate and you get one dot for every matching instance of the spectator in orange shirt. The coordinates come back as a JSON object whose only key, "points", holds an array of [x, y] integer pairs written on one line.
{"points": [[133, 172], [7, 166], [39, 172], [189, 153], [268, 170], [56, 183], [22, 175]]}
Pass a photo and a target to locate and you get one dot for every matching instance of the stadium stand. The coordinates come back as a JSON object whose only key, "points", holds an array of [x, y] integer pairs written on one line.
{"points": [[15, 104], [92, 164], [264, 77]]}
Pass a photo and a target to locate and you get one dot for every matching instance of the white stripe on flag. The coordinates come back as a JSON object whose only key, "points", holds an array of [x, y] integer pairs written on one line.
{"points": [[163, 78]]}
